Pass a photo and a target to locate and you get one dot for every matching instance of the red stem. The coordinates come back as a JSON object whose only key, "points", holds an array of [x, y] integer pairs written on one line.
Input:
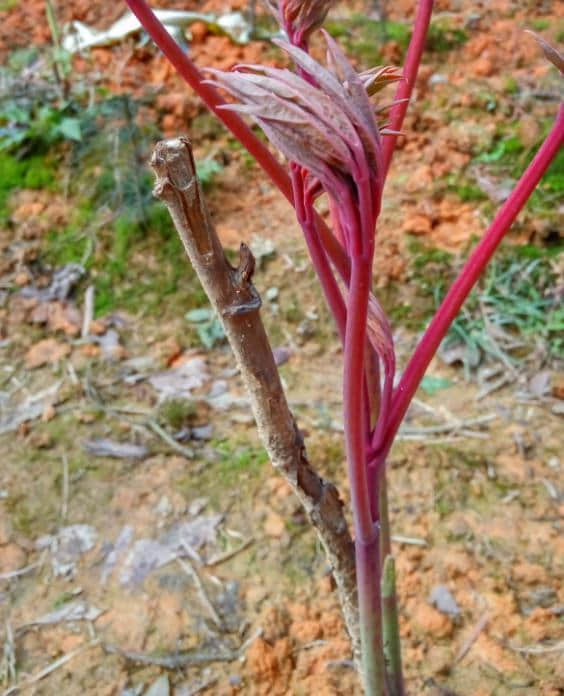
{"points": [[353, 407], [406, 85], [467, 278], [304, 214]]}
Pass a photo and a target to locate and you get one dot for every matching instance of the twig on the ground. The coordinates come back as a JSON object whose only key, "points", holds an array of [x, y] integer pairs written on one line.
{"points": [[472, 638], [181, 659], [198, 688], [189, 569], [50, 668], [237, 303], [494, 386], [250, 640], [538, 649], [20, 571], [8, 665], [412, 541], [222, 557], [450, 427], [162, 433], [88, 311]]}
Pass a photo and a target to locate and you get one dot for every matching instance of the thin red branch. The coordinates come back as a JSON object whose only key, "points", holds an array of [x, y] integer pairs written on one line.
{"points": [[468, 277], [406, 85]]}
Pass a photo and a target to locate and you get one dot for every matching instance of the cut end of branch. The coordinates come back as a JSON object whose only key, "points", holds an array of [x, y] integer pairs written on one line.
{"points": [[173, 162]]}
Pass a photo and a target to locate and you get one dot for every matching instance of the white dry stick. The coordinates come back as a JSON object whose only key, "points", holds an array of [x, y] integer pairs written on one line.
{"points": [[227, 555], [473, 637], [88, 311], [237, 303], [538, 649], [189, 569]]}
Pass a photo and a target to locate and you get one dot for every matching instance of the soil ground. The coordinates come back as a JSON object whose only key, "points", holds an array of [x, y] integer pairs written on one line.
{"points": [[145, 542]]}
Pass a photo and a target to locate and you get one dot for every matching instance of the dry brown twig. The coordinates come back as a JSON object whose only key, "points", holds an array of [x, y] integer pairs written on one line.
{"points": [[237, 304]]}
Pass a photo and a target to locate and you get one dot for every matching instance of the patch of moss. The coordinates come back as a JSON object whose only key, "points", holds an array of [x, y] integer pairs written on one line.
{"points": [[37, 172], [511, 86], [464, 188], [540, 23], [443, 36]]}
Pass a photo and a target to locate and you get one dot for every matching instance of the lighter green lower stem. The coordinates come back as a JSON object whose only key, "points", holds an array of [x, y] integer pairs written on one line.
{"points": [[370, 613], [390, 621]]}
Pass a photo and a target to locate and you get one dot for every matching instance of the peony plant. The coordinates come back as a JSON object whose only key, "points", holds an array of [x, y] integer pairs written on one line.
{"points": [[323, 120]]}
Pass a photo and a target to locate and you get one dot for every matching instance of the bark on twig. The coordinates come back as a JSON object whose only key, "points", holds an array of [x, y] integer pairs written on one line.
{"points": [[237, 304]]}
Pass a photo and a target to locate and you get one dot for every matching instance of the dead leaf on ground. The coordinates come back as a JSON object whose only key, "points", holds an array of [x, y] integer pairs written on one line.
{"points": [[58, 316], [46, 352]]}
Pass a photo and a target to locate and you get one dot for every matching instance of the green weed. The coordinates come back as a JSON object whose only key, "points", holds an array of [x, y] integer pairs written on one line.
{"points": [[464, 188], [176, 413], [508, 156], [237, 462], [444, 37], [515, 306], [540, 24], [32, 173]]}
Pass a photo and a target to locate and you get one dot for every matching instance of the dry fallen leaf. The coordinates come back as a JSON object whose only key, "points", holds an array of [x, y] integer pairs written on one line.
{"points": [[46, 352], [59, 316]]}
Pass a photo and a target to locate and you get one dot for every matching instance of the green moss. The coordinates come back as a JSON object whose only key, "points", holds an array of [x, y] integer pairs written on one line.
{"points": [[237, 462], [540, 24], [464, 188], [510, 157], [511, 86], [35, 172], [444, 37]]}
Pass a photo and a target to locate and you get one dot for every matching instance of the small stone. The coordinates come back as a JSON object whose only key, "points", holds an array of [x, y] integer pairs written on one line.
{"points": [[483, 67], [432, 622], [97, 327], [418, 224], [443, 600], [46, 352], [90, 350], [160, 687], [48, 413], [12, 557], [307, 631], [274, 525], [21, 279]]}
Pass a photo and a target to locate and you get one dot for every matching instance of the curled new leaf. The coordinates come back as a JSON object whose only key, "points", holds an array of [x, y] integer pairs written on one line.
{"points": [[299, 18], [321, 119]]}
